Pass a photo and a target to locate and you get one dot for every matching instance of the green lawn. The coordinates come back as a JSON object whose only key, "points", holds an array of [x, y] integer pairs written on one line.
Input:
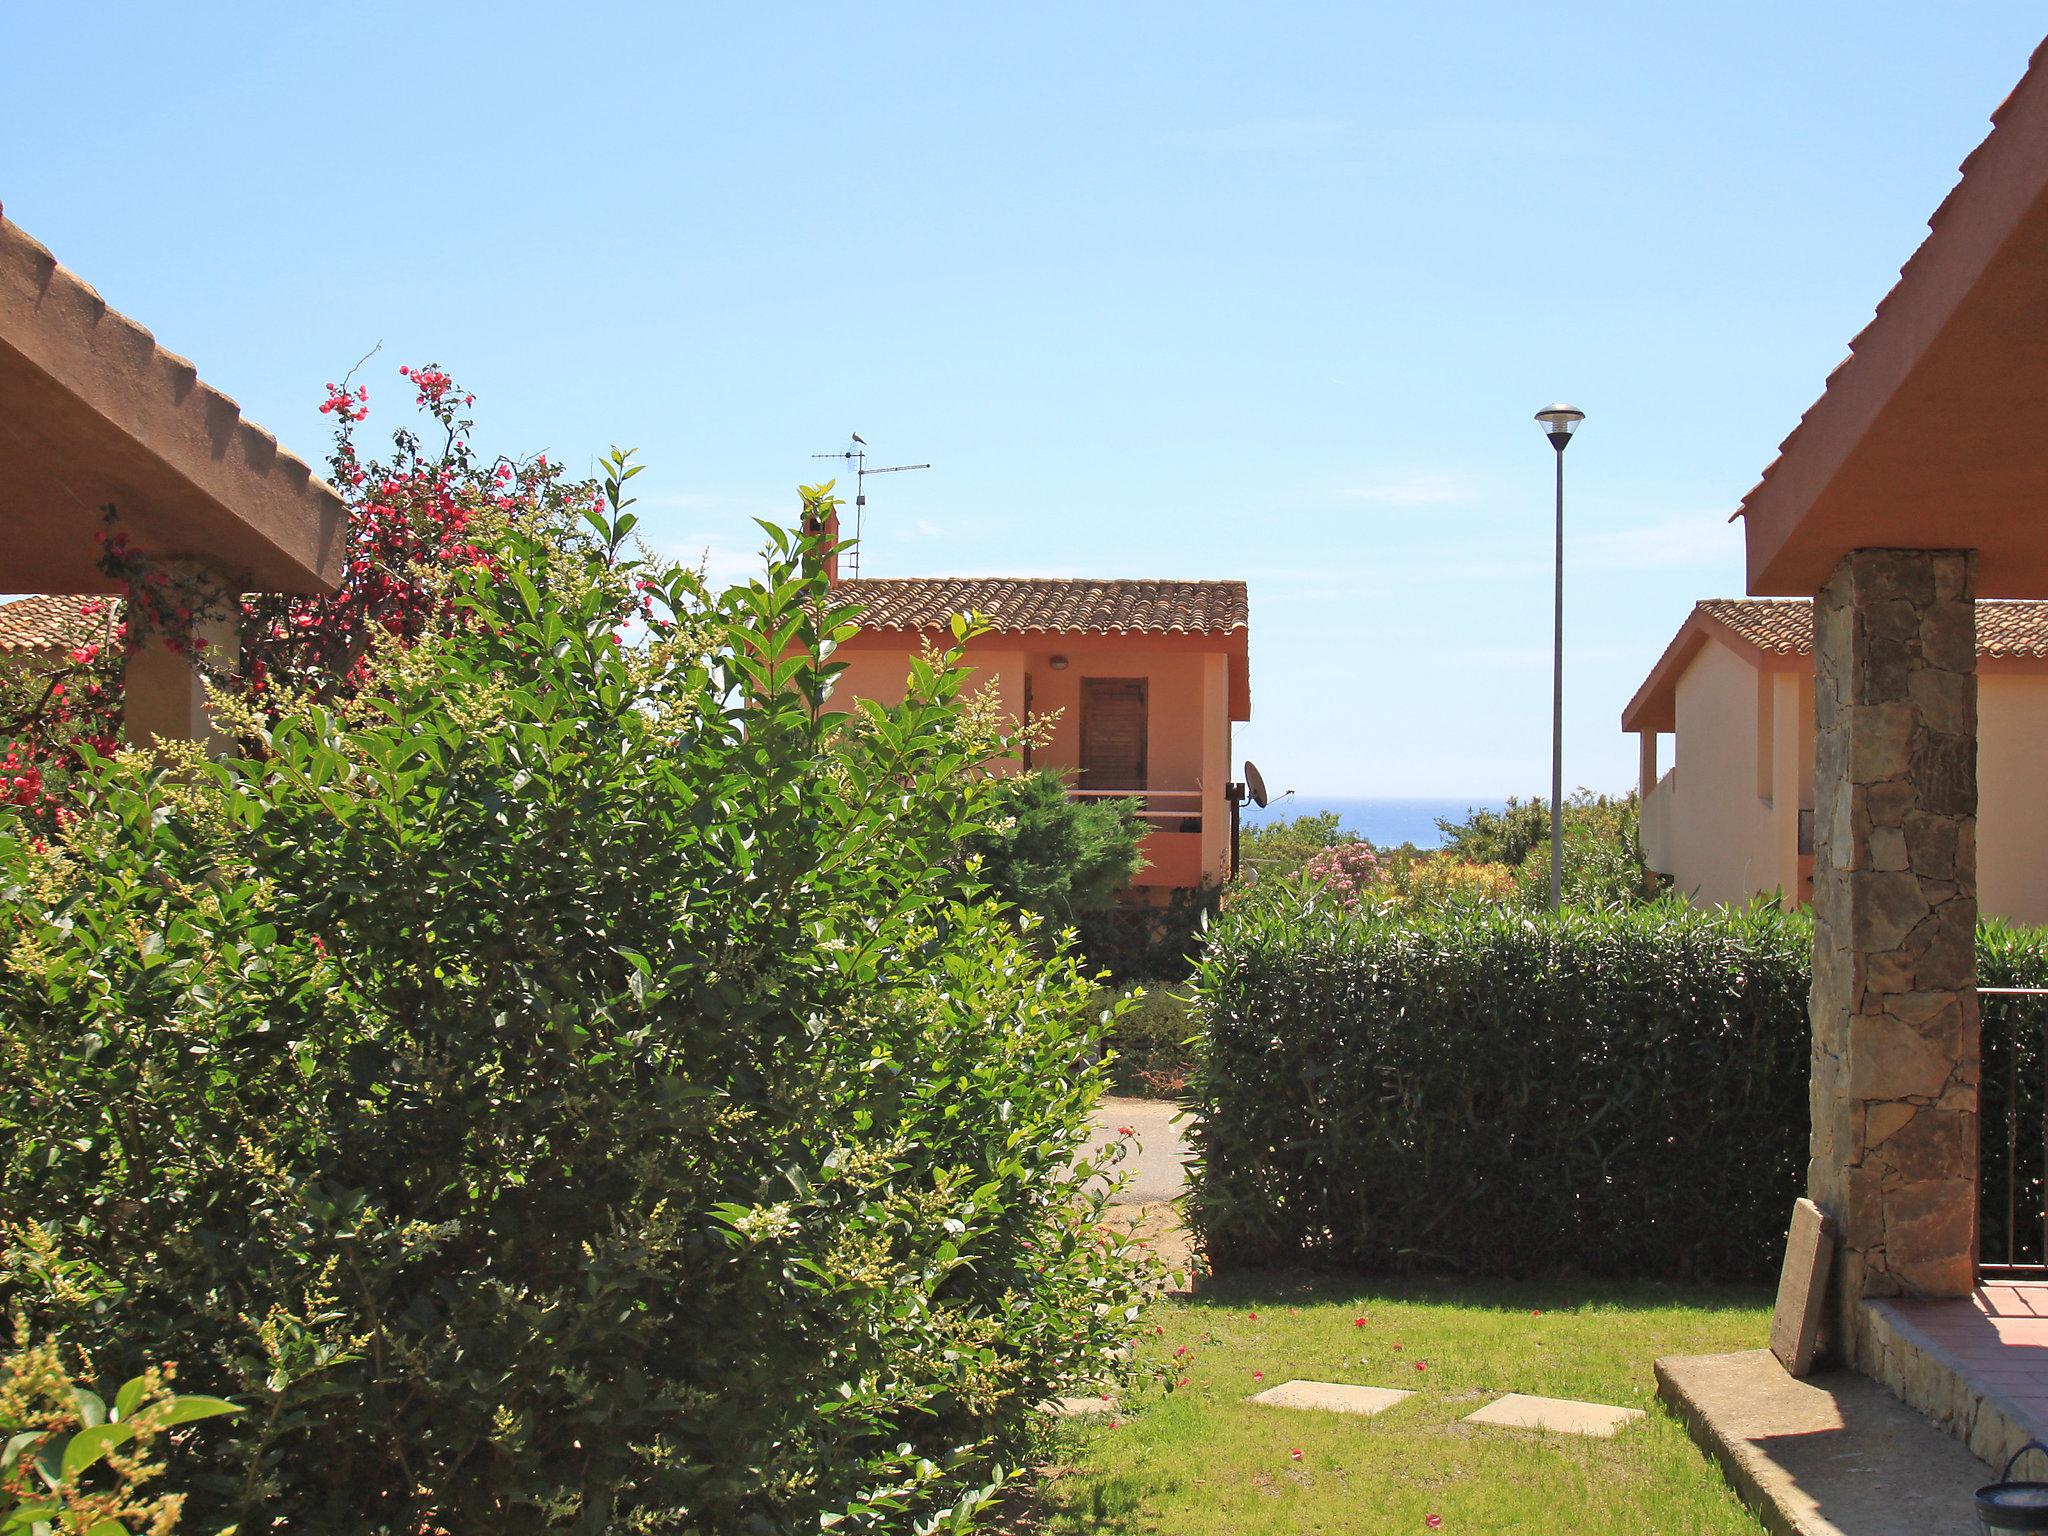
{"points": [[1200, 1461]]}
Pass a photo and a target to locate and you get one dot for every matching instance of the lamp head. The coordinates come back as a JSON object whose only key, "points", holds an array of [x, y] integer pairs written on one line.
{"points": [[1559, 422]]}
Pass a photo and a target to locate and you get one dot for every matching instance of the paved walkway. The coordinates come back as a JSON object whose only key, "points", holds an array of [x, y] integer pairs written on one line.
{"points": [[1159, 1165]]}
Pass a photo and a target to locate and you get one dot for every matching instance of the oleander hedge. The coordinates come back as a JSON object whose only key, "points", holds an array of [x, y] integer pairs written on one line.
{"points": [[1502, 1092]]}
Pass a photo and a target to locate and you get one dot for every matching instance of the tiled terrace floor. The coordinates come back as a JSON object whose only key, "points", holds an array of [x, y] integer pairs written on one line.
{"points": [[1994, 1345], [1997, 1340]]}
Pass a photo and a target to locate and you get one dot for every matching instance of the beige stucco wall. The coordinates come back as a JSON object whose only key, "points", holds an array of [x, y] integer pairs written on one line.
{"points": [[1726, 833], [1187, 722], [1723, 827], [2012, 796]]}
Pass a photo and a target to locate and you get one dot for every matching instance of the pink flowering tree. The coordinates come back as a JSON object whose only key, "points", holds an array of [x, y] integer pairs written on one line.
{"points": [[416, 517]]}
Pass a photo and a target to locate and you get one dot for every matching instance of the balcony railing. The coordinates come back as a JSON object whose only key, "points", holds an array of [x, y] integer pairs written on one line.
{"points": [[1168, 810]]}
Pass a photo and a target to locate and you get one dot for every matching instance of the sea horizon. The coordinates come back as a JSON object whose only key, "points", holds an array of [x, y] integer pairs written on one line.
{"points": [[1385, 821]]}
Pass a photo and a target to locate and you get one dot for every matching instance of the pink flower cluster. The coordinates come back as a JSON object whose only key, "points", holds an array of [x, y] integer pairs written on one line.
{"points": [[349, 407], [433, 384], [1346, 870]]}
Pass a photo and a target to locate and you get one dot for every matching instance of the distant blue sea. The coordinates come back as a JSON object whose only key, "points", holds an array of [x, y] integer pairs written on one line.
{"points": [[1383, 822]]}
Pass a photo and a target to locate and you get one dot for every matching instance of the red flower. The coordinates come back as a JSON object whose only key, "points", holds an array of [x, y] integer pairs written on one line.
{"points": [[1295, 1454], [1358, 1322], [1434, 1522], [1258, 1375], [1422, 1365]]}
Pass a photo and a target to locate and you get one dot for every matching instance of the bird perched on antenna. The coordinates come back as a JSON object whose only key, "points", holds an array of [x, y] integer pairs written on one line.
{"points": [[857, 456]]}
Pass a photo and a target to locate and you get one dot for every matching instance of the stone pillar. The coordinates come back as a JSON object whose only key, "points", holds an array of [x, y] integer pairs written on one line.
{"points": [[163, 693], [1894, 1003]]}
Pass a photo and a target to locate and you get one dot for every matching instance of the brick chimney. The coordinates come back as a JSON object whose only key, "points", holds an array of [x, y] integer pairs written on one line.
{"points": [[830, 530]]}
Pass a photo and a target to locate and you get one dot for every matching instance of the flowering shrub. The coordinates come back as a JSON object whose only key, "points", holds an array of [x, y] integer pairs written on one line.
{"points": [[1444, 880], [1348, 871], [414, 520], [568, 1087]]}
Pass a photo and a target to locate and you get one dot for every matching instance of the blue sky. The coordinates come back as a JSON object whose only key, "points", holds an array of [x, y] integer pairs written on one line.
{"points": [[1167, 290]]}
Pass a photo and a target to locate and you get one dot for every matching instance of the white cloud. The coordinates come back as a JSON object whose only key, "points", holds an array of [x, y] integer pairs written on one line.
{"points": [[1677, 541], [1420, 488]]}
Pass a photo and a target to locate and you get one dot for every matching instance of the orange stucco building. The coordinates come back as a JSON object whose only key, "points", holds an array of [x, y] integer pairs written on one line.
{"points": [[1141, 681]]}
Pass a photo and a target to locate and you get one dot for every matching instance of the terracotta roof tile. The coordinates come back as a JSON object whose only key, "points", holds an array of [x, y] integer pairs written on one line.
{"points": [[1784, 626], [1034, 604], [46, 624]]}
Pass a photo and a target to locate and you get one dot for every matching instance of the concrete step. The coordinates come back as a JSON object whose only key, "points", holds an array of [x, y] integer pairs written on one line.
{"points": [[1980, 1375], [1832, 1455]]}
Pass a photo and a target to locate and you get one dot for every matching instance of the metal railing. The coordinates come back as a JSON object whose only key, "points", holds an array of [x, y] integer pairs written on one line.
{"points": [[1168, 810], [2012, 1181]]}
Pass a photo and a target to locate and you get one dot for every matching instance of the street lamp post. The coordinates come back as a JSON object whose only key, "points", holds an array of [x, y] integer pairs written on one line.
{"points": [[1559, 422]]}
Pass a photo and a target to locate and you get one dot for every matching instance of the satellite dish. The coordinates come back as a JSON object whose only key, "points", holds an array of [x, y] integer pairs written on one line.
{"points": [[1257, 783]]}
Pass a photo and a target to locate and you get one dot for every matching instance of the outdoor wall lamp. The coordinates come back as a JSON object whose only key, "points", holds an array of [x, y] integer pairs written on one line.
{"points": [[1559, 422], [1058, 663]]}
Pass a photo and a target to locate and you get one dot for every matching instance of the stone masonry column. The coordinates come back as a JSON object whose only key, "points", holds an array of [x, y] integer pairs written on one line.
{"points": [[1894, 1003]]}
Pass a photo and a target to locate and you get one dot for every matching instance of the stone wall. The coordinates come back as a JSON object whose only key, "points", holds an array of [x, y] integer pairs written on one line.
{"points": [[1894, 1004]]}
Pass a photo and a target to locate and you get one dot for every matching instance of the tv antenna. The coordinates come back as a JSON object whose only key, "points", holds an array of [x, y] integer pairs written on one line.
{"points": [[857, 456]]}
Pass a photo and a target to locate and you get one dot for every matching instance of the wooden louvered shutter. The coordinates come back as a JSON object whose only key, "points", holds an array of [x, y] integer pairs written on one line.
{"points": [[1112, 733]]}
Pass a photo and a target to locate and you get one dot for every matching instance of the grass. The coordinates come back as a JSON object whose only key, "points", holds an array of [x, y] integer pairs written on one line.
{"points": [[1201, 1461]]}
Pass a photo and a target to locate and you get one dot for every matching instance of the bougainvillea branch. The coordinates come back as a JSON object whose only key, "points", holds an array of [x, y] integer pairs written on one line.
{"points": [[413, 520]]}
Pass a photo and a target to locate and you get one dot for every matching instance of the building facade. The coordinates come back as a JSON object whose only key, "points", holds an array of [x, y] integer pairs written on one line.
{"points": [[1732, 817], [1136, 683]]}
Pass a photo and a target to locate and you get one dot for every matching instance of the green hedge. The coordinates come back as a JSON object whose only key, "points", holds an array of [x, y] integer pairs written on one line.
{"points": [[1503, 1092], [1509, 1093], [2012, 1081]]}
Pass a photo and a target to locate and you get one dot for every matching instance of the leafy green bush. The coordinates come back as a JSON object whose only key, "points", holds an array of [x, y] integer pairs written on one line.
{"points": [[1152, 1041], [567, 1088], [1274, 849], [70, 1460], [1054, 855], [1136, 941], [1502, 1092], [1603, 852]]}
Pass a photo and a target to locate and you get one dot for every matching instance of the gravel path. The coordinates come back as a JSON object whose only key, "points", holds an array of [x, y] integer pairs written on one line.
{"points": [[1159, 1164]]}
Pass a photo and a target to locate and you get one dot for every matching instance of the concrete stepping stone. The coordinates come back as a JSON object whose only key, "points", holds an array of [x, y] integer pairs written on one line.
{"points": [[1559, 1415], [1330, 1396]]}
